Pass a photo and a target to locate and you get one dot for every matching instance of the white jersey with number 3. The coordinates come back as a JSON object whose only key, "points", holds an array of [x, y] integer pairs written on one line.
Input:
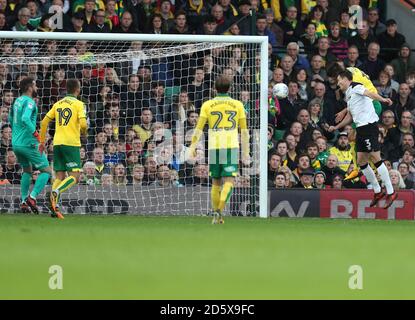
{"points": [[360, 106]]}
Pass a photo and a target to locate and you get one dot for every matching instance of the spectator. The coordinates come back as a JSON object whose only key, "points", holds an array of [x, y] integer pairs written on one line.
{"points": [[6, 141], [342, 150], [404, 102], [137, 175], [306, 180], [11, 169], [363, 38], [113, 14], [126, 24], [107, 180], [323, 50], [345, 29], [77, 23], [404, 64], [406, 125], [397, 180], [98, 159], [144, 128], [317, 68], [292, 146], [272, 25], [22, 23], [167, 15], [372, 65], [4, 116], [290, 106], [180, 26], [88, 175], [383, 85], [303, 83], [303, 118], [312, 152], [403, 169], [282, 150], [303, 163], [331, 169], [280, 181], [150, 166], [163, 177], [200, 175], [309, 40], [391, 40], [316, 17], [289, 177], [119, 175], [410, 80], [293, 28], [353, 58], [391, 71], [338, 44], [262, 30], [319, 181], [314, 109], [376, 27], [181, 106], [274, 163], [111, 156], [293, 50], [337, 182], [98, 25]]}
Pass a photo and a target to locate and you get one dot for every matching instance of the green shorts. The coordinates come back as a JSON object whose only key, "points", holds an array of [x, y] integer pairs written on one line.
{"points": [[223, 163], [66, 158], [31, 157], [378, 109]]}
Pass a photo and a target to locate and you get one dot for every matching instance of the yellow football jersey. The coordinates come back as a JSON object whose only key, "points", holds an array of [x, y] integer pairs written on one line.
{"points": [[223, 115], [67, 113], [361, 77]]}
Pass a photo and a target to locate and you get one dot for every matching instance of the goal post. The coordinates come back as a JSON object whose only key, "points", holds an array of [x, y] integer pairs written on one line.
{"points": [[167, 54]]}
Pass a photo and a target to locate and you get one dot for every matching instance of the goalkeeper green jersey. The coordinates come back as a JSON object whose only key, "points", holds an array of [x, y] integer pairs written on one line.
{"points": [[23, 117]]}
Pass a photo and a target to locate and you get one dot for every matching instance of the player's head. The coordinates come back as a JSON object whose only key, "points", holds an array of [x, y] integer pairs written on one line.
{"points": [[222, 84], [73, 87], [334, 70], [344, 79], [28, 86]]}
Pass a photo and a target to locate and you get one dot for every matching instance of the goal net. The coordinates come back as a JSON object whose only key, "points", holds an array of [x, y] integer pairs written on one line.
{"points": [[142, 97]]}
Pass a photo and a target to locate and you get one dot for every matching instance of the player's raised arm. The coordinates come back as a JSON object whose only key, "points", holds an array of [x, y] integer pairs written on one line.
{"points": [[377, 97]]}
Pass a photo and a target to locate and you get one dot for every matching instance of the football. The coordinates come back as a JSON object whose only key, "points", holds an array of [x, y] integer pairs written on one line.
{"points": [[280, 91]]}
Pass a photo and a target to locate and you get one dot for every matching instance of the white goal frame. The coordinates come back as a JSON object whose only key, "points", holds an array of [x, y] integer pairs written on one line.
{"points": [[262, 40]]}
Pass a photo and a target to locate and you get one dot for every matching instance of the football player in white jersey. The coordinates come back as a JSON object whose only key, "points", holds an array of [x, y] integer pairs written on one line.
{"points": [[360, 110]]}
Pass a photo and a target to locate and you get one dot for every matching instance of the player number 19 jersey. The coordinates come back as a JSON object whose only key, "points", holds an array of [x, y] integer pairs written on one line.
{"points": [[66, 113]]}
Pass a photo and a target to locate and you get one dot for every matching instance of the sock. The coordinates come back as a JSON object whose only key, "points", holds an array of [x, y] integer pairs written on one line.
{"points": [[56, 183], [40, 183], [225, 195], [371, 177], [215, 197], [384, 175], [25, 185], [65, 184]]}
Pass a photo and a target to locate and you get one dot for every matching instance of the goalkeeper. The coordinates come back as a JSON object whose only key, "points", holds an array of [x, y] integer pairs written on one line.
{"points": [[360, 77], [70, 122], [25, 142], [223, 115]]}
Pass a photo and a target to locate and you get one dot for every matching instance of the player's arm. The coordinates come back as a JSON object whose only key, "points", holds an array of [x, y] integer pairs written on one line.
{"points": [[82, 120], [26, 119], [377, 97], [198, 132], [346, 120]]}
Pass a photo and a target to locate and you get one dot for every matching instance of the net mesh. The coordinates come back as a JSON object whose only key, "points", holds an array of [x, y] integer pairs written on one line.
{"points": [[142, 101]]}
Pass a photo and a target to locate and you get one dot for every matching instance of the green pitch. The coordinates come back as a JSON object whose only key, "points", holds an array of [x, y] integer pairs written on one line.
{"points": [[187, 257]]}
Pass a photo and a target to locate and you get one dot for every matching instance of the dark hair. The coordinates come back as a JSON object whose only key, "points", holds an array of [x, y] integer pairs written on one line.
{"points": [[72, 85], [312, 144], [179, 13], [334, 70], [273, 153], [301, 155], [280, 142], [222, 84], [346, 74], [26, 83]]}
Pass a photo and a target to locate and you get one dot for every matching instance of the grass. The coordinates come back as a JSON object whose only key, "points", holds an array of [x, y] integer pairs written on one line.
{"points": [[128, 257]]}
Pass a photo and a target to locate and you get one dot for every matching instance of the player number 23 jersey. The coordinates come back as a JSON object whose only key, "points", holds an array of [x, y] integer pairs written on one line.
{"points": [[66, 113], [223, 115]]}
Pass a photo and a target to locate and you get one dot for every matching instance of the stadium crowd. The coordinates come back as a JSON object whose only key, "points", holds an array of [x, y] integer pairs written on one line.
{"points": [[134, 106]]}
